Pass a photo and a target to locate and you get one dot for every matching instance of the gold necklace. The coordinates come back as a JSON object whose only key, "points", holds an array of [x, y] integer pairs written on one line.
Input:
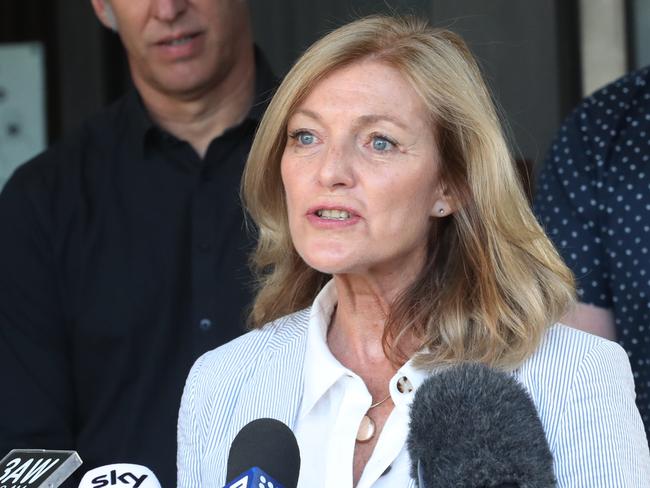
{"points": [[367, 428]]}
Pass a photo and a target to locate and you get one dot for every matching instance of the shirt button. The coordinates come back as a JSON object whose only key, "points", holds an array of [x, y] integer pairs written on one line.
{"points": [[404, 385], [205, 324], [204, 247]]}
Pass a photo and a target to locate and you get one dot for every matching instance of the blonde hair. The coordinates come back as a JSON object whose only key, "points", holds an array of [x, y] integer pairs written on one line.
{"points": [[493, 282]]}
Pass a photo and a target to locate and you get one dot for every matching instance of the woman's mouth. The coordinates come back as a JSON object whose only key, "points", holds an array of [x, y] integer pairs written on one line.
{"points": [[333, 214]]}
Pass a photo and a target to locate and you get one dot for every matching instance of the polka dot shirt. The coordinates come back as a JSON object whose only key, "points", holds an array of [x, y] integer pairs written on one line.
{"points": [[594, 202]]}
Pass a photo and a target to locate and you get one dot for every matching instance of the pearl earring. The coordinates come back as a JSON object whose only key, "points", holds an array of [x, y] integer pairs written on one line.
{"points": [[441, 211]]}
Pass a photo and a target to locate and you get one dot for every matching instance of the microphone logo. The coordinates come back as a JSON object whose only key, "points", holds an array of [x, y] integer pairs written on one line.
{"points": [[27, 468], [113, 477], [121, 474], [254, 478]]}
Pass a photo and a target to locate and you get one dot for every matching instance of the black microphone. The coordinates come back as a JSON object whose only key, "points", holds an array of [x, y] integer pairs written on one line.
{"points": [[474, 427], [264, 449]]}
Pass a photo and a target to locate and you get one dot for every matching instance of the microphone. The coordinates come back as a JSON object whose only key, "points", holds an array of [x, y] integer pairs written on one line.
{"points": [[121, 474], [35, 468], [474, 427], [264, 453]]}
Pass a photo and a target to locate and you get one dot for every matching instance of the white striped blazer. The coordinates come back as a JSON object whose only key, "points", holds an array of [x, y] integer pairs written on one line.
{"points": [[581, 385]]}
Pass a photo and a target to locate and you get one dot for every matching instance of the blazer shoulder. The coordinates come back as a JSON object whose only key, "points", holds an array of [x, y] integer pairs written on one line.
{"points": [[570, 362], [563, 345], [273, 340], [583, 388], [565, 352], [253, 376]]}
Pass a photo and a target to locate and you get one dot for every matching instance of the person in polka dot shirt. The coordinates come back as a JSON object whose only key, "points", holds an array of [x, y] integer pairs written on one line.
{"points": [[593, 199]]}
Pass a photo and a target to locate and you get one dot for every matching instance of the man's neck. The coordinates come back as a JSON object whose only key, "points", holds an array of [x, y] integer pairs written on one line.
{"points": [[200, 117]]}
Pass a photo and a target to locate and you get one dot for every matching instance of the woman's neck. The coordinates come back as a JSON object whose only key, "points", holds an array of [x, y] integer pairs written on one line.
{"points": [[356, 332]]}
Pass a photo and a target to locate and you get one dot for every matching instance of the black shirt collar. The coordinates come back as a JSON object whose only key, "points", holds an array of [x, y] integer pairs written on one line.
{"points": [[138, 121]]}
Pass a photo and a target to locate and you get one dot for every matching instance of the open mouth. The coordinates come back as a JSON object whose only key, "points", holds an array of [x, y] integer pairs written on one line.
{"points": [[333, 214]]}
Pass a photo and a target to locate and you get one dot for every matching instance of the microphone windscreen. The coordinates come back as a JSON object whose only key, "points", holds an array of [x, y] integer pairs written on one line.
{"points": [[121, 474], [269, 445], [474, 427]]}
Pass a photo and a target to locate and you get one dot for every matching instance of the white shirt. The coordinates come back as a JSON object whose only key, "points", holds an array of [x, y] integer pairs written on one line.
{"points": [[334, 401]]}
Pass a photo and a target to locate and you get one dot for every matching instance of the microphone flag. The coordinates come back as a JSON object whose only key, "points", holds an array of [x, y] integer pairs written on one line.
{"points": [[36, 468], [254, 478]]}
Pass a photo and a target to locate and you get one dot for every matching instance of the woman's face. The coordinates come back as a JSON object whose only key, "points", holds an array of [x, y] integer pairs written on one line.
{"points": [[360, 172]]}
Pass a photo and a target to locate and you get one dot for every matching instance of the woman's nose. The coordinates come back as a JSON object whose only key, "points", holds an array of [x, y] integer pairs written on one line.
{"points": [[336, 170]]}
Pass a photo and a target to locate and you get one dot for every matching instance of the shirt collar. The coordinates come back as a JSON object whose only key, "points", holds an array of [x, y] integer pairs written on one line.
{"points": [[322, 369], [137, 120]]}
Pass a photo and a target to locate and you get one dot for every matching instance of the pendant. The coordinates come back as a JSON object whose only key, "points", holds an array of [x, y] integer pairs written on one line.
{"points": [[366, 429]]}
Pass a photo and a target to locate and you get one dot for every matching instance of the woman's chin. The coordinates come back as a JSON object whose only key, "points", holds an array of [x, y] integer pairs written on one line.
{"points": [[330, 264]]}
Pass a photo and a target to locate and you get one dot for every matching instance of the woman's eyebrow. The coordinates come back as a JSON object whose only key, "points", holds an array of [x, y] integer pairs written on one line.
{"points": [[307, 113], [361, 120], [373, 118]]}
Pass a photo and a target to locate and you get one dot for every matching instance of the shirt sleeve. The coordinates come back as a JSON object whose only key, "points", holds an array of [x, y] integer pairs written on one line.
{"points": [[568, 203], [38, 407], [601, 441]]}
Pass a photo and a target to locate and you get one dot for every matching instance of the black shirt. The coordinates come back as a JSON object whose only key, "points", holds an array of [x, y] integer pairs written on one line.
{"points": [[594, 201], [122, 259]]}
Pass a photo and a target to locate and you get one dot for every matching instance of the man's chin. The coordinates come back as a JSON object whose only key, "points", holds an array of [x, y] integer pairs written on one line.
{"points": [[179, 83]]}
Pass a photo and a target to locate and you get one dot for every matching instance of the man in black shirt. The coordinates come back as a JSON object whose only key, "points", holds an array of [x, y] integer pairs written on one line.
{"points": [[123, 248]]}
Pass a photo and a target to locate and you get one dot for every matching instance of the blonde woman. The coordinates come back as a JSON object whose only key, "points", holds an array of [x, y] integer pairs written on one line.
{"points": [[395, 238]]}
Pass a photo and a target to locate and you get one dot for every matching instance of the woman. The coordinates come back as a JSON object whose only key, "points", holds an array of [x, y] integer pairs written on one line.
{"points": [[395, 238]]}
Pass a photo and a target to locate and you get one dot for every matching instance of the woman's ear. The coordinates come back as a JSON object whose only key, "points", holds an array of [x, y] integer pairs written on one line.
{"points": [[444, 205]]}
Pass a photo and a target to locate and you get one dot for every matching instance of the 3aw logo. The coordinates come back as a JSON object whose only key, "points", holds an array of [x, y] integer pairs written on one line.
{"points": [[32, 468], [26, 471]]}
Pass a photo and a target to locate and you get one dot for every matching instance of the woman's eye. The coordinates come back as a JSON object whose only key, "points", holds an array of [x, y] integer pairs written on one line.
{"points": [[380, 143], [304, 138]]}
